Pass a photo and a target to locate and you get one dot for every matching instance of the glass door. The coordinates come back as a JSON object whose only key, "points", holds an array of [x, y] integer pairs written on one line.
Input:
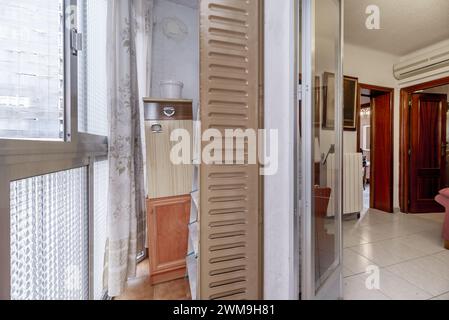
{"points": [[320, 134]]}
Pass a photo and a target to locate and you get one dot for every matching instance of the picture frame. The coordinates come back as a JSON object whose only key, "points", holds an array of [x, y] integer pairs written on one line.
{"points": [[350, 89]]}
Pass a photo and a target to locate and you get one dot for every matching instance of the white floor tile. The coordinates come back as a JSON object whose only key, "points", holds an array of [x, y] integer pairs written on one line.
{"points": [[442, 297], [347, 272], [409, 246], [443, 256], [355, 263], [399, 289], [352, 239], [388, 252], [355, 289], [428, 242], [434, 265], [417, 273]]}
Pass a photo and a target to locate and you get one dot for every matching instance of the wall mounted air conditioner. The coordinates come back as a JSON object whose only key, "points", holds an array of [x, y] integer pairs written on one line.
{"points": [[423, 64]]}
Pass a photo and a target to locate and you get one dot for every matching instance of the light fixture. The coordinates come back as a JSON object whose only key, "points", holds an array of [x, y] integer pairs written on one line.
{"points": [[365, 112]]}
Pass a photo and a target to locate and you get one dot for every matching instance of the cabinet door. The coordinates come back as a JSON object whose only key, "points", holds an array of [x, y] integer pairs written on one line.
{"points": [[168, 220]]}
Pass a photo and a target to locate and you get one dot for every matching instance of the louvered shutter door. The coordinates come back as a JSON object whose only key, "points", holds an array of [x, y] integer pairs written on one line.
{"points": [[230, 77]]}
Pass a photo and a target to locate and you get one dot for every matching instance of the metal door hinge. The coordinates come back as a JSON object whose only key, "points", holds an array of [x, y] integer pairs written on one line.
{"points": [[410, 103], [76, 41], [299, 92], [409, 152]]}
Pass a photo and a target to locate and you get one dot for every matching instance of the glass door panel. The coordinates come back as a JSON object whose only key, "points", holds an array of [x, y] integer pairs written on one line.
{"points": [[322, 131]]}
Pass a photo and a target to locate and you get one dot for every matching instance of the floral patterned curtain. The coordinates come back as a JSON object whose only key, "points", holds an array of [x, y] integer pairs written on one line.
{"points": [[129, 44]]}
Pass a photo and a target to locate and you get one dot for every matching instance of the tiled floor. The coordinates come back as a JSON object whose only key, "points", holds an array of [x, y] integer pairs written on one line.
{"points": [[407, 249], [141, 289]]}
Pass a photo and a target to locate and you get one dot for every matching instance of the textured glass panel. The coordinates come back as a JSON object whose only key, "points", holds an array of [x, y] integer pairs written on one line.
{"points": [[32, 69], [92, 84], [101, 178], [49, 237]]}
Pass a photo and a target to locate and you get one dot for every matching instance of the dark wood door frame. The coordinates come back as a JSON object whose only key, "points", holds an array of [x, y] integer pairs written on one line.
{"points": [[404, 139], [382, 90]]}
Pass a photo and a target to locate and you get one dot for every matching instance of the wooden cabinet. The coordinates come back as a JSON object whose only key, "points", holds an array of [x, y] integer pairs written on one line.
{"points": [[168, 220]]}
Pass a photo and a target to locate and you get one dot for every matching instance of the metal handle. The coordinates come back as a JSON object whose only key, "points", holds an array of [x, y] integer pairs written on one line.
{"points": [[169, 111], [156, 128]]}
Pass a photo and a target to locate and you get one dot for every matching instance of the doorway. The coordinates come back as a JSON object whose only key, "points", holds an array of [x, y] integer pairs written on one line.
{"points": [[424, 138], [375, 142]]}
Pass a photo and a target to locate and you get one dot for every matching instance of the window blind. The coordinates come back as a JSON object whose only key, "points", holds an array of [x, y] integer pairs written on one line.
{"points": [[49, 237], [32, 69]]}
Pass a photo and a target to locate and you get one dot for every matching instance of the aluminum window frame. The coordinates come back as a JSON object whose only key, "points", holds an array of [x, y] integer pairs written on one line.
{"points": [[21, 159]]}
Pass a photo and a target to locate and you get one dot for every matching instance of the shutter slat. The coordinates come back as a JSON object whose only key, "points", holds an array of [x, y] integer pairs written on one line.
{"points": [[230, 80]]}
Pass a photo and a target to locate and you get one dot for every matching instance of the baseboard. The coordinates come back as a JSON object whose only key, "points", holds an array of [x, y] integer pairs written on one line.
{"points": [[168, 275]]}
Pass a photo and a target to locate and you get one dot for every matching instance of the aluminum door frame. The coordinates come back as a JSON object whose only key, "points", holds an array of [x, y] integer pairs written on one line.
{"points": [[332, 287]]}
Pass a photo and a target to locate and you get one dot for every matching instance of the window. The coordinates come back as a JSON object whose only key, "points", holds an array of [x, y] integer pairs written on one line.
{"points": [[49, 237], [32, 69], [57, 249], [101, 178], [92, 76]]}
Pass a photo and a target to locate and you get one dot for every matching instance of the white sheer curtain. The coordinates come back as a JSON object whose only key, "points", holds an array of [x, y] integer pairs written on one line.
{"points": [[129, 45]]}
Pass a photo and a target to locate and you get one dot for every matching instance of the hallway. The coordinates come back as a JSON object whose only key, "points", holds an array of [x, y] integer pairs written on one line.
{"points": [[409, 251]]}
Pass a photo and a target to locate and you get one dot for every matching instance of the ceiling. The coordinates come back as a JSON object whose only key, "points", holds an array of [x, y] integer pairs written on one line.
{"points": [[194, 4], [406, 25]]}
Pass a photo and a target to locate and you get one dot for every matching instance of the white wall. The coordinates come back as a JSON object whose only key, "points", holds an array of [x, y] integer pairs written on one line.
{"points": [[375, 68], [176, 59], [279, 275]]}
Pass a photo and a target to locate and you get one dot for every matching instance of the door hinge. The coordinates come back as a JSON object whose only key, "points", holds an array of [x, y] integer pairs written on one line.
{"points": [[76, 41], [409, 152], [410, 104], [299, 92]]}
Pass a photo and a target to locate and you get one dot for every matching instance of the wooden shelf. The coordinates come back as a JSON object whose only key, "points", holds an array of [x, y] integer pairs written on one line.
{"points": [[163, 101]]}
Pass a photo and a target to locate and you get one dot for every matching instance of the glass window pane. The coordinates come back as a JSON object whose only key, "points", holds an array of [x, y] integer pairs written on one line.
{"points": [[101, 178], [92, 84], [325, 102], [49, 237], [32, 69]]}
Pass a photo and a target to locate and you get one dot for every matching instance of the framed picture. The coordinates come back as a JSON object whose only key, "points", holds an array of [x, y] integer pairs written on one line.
{"points": [[350, 88]]}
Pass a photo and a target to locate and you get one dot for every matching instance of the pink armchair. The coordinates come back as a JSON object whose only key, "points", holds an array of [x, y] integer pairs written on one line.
{"points": [[443, 199]]}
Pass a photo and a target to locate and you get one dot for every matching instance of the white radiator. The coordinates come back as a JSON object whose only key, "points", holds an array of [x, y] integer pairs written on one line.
{"points": [[352, 183]]}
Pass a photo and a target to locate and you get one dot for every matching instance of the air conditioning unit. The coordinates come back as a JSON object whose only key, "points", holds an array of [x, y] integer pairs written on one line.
{"points": [[422, 64]]}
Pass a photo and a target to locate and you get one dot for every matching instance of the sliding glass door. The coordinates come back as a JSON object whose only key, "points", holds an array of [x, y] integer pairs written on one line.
{"points": [[320, 136]]}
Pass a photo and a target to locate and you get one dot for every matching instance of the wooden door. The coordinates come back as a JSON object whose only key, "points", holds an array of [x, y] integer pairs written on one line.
{"points": [[168, 220], [427, 151], [230, 260], [381, 175]]}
